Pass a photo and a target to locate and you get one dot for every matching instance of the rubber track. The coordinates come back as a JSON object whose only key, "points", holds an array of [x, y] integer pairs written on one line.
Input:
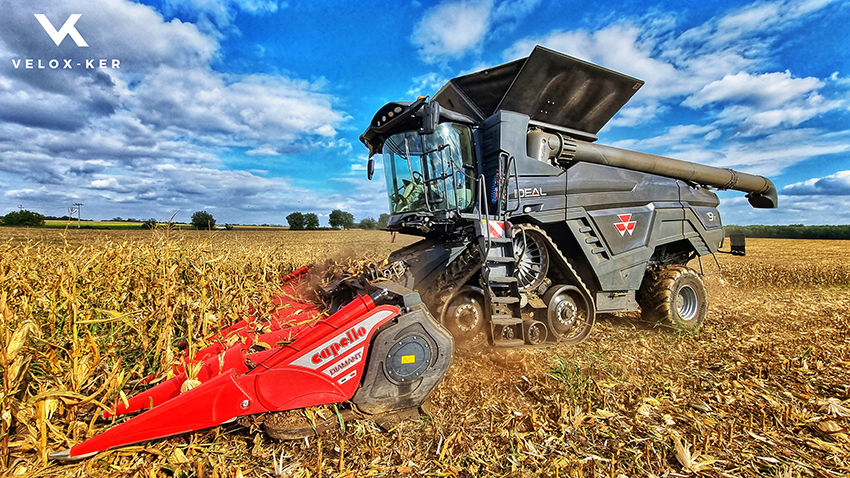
{"points": [[468, 263], [457, 273], [565, 266]]}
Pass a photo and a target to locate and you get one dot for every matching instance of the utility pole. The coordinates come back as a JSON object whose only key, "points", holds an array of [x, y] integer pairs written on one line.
{"points": [[76, 208], [79, 213]]}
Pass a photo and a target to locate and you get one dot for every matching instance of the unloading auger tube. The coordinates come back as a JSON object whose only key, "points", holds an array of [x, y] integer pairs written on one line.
{"points": [[563, 150]]}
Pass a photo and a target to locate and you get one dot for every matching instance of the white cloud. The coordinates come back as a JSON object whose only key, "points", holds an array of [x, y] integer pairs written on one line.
{"points": [[706, 61], [109, 183], [451, 29], [514, 9], [152, 133], [262, 152], [624, 47], [426, 84], [765, 101], [234, 110], [808, 210], [837, 184], [218, 14], [768, 90]]}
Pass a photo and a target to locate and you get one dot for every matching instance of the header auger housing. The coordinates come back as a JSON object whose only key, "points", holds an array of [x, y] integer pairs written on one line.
{"points": [[529, 229]]}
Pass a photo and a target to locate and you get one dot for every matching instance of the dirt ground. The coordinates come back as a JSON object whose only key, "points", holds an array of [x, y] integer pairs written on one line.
{"points": [[762, 390]]}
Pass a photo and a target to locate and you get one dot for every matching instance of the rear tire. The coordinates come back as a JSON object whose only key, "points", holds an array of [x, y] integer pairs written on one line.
{"points": [[673, 295]]}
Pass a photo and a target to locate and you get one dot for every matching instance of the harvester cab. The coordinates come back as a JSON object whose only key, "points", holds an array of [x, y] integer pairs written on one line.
{"points": [[428, 162]]}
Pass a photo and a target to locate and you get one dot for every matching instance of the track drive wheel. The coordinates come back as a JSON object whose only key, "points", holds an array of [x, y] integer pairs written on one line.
{"points": [[463, 315], [532, 258], [568, 313], [674, 295]]}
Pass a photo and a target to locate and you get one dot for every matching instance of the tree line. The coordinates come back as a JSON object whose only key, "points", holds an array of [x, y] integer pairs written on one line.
{"points": [[205, 221], [793, 231], [337, 219]]}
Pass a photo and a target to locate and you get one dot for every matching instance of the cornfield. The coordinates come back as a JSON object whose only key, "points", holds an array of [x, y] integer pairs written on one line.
{"points": [[762, 390]]}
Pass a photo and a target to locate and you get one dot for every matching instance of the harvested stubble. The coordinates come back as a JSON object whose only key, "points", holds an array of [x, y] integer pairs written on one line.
{"points": [[762, 391]]}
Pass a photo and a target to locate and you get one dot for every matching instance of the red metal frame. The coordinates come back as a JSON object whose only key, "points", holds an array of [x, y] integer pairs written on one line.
{"points": [[306, 365]]}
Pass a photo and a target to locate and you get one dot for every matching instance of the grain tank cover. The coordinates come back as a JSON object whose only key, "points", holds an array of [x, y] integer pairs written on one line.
{"points": [[549, 87]]}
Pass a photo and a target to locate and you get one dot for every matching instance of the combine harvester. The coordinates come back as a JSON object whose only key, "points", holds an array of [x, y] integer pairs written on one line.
{"points": [[529, 230]]}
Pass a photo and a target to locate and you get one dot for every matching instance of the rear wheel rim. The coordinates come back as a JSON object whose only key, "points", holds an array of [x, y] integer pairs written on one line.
{"points": [[687, 303]]}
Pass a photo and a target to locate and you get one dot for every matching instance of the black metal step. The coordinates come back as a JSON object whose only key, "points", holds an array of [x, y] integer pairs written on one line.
{"points": [[505, 320], [501, 259], [504, 300], [502, 280], [497, 240]]}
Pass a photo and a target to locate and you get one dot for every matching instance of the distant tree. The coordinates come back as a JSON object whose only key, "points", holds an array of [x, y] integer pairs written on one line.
{"points": [[23, 218], [203, 220], [149, 224], [117, 219], [311, 221], [383, 219], [368, 223], [296, 221], [341, 219]]}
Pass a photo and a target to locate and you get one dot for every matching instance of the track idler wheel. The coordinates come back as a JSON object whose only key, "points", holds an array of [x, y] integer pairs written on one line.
{"points": [[535, 332], [568, 313], [464, 316]]}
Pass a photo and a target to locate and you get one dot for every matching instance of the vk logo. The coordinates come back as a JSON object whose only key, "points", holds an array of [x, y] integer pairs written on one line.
{"points": [[67, 29]]}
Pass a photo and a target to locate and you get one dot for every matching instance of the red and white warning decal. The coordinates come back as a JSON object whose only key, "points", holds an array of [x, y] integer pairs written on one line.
{"points": [[497, 229], [331, 351], [625, 224]]}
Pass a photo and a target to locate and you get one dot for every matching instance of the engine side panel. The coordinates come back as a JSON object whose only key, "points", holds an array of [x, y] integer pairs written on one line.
{"points": [[618, 217]]}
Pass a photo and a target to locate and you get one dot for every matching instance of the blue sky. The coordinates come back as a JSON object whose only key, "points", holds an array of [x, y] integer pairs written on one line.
{"points": [[251, 109]]}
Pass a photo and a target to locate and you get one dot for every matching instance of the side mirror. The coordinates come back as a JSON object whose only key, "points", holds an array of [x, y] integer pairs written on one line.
{"points": [[370, 169], [430, 117]]}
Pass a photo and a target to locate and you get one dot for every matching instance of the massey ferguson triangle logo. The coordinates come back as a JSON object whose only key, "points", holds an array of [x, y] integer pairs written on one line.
{"points": [[625, 224], [67, 29]]}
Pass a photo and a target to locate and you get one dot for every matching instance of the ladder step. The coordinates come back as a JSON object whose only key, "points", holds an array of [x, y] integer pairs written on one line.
{"points": [[502, 280], [497, 240], [591, 240], [585, 229], [598, 250], [500, 259], [505, 320], [504, 300]]}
